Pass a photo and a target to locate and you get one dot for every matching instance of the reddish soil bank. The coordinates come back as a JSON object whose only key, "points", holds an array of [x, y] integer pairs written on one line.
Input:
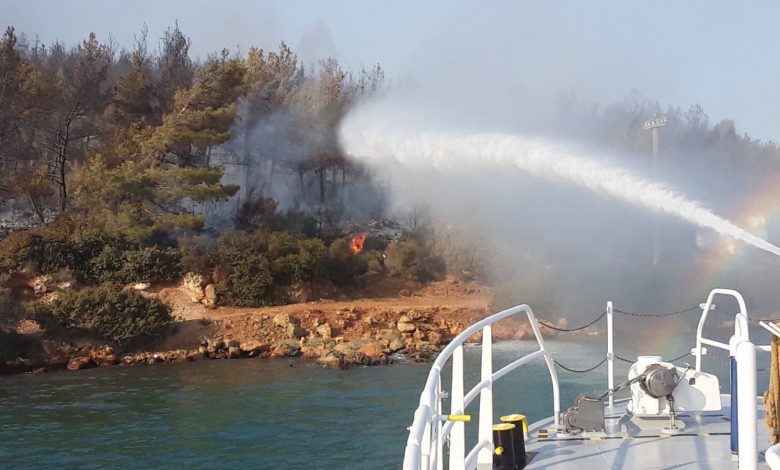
{"points": [[393, 318]]}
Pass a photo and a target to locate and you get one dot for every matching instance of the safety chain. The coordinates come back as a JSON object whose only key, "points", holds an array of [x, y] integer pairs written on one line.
{"points": [[657, 315], [646, 315], [718, 358], [721, 359], [578, 371], [604, 313], [582, 371], [547, 325], [629, 361]]}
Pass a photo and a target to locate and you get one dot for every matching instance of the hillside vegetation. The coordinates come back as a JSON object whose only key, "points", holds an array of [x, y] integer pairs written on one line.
{"points": [[131, 166]]}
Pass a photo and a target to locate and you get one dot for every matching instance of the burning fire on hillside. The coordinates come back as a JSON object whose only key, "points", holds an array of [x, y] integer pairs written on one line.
{"points": [[358, 241]]}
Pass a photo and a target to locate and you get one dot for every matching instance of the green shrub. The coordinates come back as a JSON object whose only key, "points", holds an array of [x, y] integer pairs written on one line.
{"points": [[108, 310], [12, 345], [296, 222], [103, 267], [411, 257], [250, 269], [295, 258], [45, 253], [94, 258], [11, 311], [343, 265], [151, 264], [256, 213], [196, 255], [249, 283]]}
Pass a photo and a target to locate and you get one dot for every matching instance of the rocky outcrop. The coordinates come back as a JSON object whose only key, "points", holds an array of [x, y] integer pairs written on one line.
{"points": [[41, 284], [336, 337], [325, 330], [254, 348], [333, 360], [79, 363], [391, 339], [362, 352], [285, 349], [104, 356], [405, 325], [48, 287], [210, 296], [283, 320], [194, 284]]}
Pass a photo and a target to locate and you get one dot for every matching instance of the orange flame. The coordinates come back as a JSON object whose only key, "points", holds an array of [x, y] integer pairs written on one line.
{"points": [[357, 243]]}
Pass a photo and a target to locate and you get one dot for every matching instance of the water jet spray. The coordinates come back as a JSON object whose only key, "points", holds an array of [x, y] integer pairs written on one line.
{"points": [[384, 147]]}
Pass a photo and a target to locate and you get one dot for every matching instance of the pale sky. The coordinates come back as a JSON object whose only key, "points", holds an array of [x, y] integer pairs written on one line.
{"points": [[722, 55]]}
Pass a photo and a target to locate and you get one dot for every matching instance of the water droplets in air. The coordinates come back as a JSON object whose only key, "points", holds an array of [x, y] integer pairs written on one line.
{"points": [[383, 146]]}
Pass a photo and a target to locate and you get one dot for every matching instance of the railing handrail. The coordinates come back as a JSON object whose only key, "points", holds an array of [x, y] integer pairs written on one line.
{"points": [[743, 352], [740, 324], [426, 411]]}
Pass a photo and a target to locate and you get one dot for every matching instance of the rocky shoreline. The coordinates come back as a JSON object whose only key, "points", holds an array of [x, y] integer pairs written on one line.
{"points": [[337, 334], [373, 338]]}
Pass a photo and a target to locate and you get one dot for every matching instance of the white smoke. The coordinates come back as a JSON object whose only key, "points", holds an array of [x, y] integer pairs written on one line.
{"points": [[387, 147]]}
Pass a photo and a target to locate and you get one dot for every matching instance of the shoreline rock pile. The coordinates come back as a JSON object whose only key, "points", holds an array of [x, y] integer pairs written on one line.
{"points": [[350, 337]]}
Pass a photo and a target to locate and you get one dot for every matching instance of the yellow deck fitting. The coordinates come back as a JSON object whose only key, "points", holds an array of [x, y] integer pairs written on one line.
{"points": [[465, 418], [514, 418]]}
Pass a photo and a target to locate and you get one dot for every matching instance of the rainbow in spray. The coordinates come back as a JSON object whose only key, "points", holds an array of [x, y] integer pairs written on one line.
{"points": [[758, 211]]}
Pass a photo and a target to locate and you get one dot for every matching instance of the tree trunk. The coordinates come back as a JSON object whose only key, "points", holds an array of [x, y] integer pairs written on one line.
{"points": [[61, 159], [343, 184], [38, 207], [321, 171]]}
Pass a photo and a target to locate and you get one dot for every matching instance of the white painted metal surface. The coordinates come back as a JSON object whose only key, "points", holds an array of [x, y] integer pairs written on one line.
{"points": [[425, 434], [629, 450], [703, 444], [610, 354], [485, 430], [458, 432], [773, 457], [746, 380], [740, 323]]}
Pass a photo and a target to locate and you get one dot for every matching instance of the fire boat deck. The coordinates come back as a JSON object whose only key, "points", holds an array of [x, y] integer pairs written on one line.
{"points": [[640, 443]]}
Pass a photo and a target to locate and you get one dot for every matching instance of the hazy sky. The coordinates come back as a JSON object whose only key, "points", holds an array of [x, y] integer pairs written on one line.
{"points": [[721, 55]]}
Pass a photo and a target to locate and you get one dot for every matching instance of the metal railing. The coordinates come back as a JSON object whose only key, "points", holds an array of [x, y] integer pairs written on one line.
{"points": [[743, 354], [425, 449], [425, 445]]}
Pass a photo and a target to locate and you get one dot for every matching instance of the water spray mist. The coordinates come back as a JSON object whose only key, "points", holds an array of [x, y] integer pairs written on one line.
{"points": [[384, 147]]}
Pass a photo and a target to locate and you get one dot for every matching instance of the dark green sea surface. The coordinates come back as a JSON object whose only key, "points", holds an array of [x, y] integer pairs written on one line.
{"points": [[253, 414]]}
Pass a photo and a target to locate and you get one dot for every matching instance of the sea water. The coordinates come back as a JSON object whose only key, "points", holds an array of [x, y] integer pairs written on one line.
{"points": [[283, 413]]}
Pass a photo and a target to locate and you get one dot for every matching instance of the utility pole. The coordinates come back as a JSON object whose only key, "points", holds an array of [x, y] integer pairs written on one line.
{"points": [[654, 125]]}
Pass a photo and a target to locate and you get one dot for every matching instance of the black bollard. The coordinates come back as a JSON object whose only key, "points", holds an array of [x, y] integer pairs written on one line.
{"points": [[503, 446], [518, 437]]}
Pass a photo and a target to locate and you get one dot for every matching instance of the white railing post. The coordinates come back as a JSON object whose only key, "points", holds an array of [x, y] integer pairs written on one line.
{"points": [[746, 396], [439, 438], [458, 433], [425, 434], [425, 447], [610, 354], [705, 310], [740, 324], [485, 456], [550, 366]]}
